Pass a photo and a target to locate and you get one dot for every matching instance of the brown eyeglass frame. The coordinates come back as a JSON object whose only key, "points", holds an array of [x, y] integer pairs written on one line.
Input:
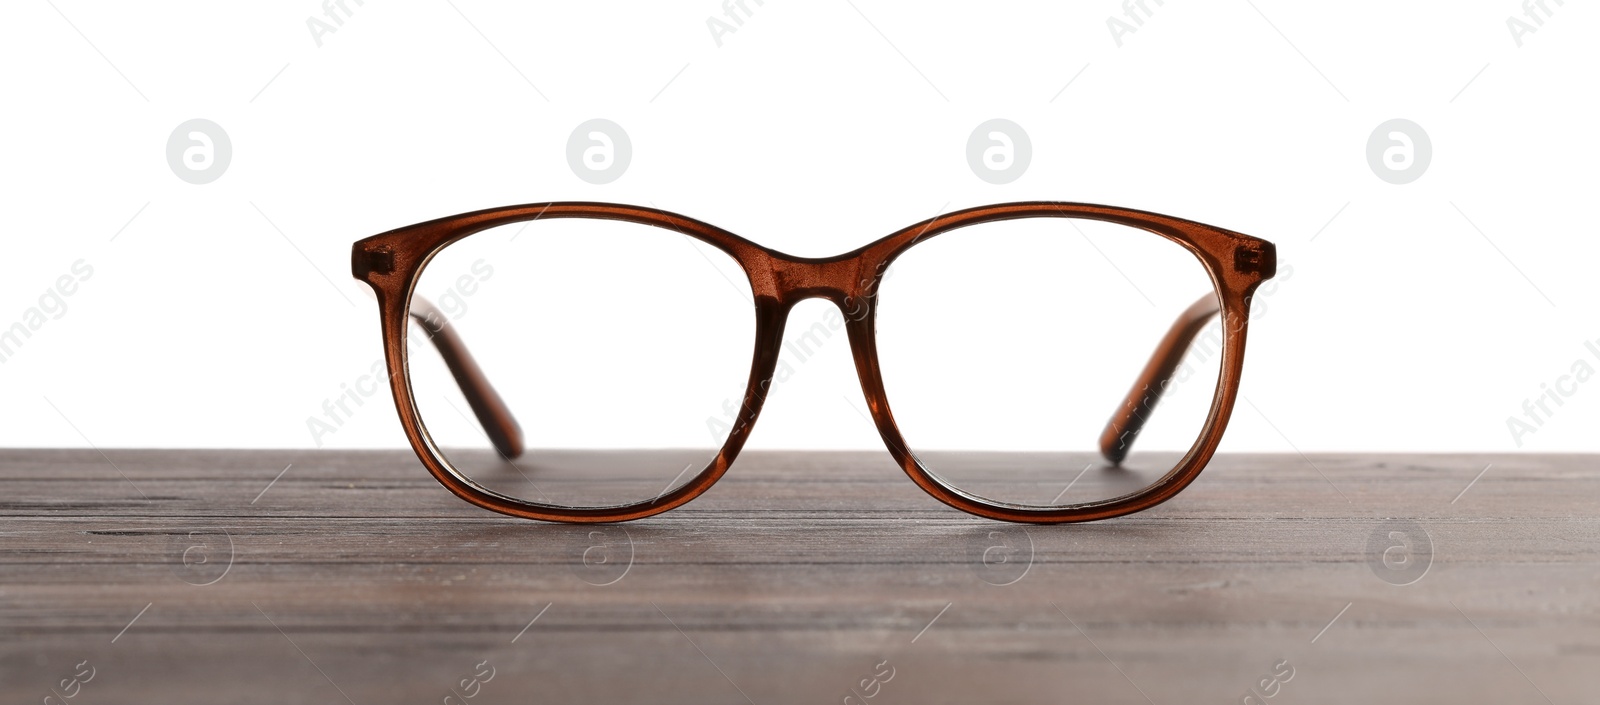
{"points": [[392, 262]]}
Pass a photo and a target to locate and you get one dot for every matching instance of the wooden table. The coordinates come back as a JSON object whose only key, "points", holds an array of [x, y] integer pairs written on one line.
{"points": [[195, 576]]}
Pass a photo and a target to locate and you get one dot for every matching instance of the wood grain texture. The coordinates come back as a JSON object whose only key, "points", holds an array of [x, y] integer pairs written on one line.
{"points": [[356, 578]]}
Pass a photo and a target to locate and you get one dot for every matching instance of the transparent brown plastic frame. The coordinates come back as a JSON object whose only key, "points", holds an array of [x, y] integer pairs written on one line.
{"points": [[392, 262]]}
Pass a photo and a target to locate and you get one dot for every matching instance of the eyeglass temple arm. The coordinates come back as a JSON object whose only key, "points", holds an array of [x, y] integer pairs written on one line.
{"points": [[491, 410], [1130, 418]]}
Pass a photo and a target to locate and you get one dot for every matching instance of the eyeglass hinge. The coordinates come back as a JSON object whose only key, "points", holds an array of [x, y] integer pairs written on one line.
{"points": [[1256, 258], [379, 260]]}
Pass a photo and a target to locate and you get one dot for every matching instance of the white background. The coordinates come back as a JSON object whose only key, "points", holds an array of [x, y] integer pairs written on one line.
{"points": [[814, 128]]}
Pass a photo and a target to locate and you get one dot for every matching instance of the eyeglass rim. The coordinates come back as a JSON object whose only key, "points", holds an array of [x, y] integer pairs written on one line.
{"points": [[392, 263]]}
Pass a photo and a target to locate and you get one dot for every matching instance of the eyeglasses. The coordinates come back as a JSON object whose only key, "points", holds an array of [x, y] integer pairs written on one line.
{"points": [[619, 342]]}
